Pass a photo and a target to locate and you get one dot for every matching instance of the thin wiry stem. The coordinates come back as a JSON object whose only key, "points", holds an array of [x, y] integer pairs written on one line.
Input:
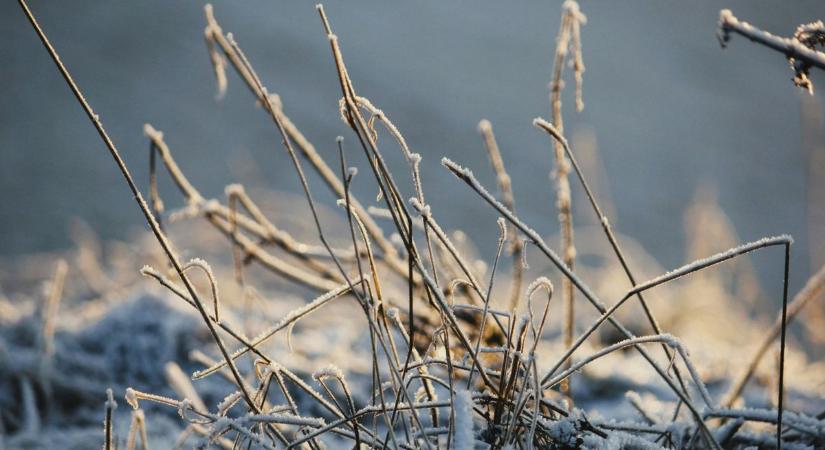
{"points": [[661, 338], [422, 371], [389, 188], [147, 213], [812, 289], [288, 145], [558, 136], [336, 373], [784, 327], [539, 283], [213, 283], [414, 161], [670, 276], [506, 188], [306, 147], [221, 217], [107, 422], [502, 238], [468, 177], [568, 39]]}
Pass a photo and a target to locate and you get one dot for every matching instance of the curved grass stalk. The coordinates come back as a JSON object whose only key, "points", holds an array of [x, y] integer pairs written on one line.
{"points": [[467, 176], [666, 339], [558, 135]]}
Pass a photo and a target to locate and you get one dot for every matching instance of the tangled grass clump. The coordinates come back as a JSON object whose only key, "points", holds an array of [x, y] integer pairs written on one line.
{"points": [[449, 362]]}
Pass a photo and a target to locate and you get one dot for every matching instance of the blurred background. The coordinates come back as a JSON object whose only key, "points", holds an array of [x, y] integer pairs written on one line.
{"points": [[669, 116]]}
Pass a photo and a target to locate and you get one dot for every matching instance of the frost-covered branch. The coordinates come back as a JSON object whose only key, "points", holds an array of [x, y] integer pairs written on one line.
{"points": [[801, 49]]}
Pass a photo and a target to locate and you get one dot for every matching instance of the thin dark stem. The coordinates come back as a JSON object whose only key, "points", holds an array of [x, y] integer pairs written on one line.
{"points": [[782, 346], [501, 240]]}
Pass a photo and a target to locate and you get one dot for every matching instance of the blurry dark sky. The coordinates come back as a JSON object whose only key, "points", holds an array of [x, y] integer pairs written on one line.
{"points": [[670, 109]]}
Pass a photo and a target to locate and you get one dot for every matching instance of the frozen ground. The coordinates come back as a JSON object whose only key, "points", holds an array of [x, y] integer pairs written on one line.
{"points": [[76, 324], [115, 331]]}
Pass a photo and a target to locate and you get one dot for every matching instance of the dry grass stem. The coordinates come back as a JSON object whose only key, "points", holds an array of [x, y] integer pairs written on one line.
{"points": [[426, 369]]}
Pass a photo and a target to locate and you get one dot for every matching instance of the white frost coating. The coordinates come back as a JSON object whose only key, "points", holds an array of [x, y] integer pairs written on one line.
{"points": [[424, 210], [213, 283], [540, 282], [565, 432], [183, 406], [131, 398], [211, 205], [485, 349], [464, 439], [524, 264], [484, 125], [330, 371], [799, 421], [619, 440], [287, 419], [714, 259], [200, 262], [502, 225], [217, 429], [148, 270], [110, 400], [727, 430], [234, 189], [393, 313], [228, 402], [550, 128], [572, 7]]}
